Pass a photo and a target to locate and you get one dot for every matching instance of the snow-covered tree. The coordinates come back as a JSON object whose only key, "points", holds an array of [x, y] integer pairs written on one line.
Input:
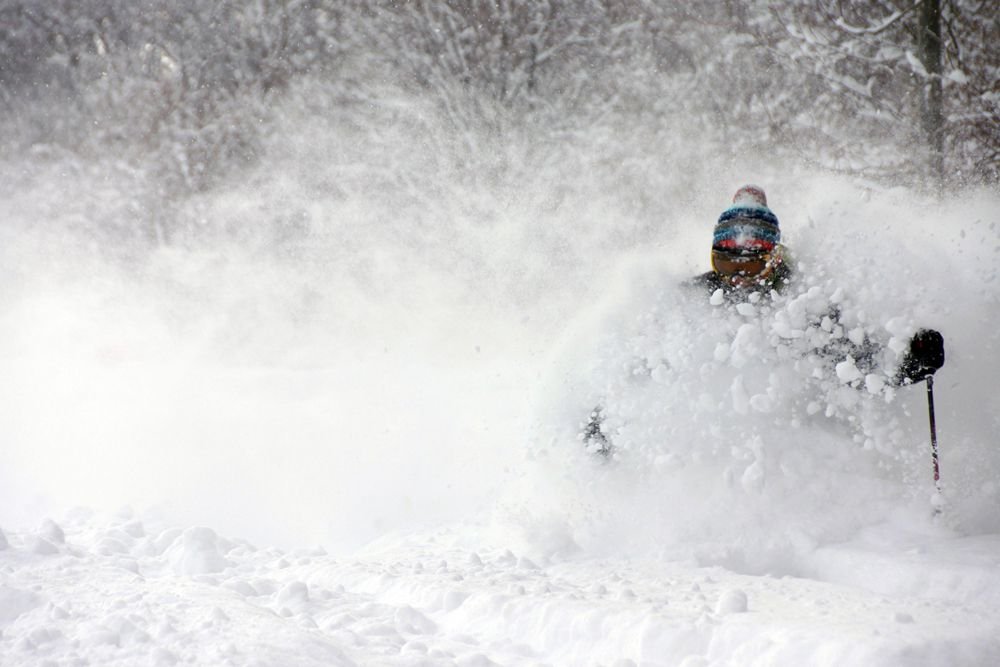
{"points": [[181, 95], [917, 77]]}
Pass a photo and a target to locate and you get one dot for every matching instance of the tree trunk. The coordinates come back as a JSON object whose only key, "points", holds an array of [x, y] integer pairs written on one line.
{"points": [[929, 45]]}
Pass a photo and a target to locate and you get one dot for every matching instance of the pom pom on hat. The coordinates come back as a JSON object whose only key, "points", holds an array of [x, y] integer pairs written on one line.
{"points": [[750, 195], [748, 226]]}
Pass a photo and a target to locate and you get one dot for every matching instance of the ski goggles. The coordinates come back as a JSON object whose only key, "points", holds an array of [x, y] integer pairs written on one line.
{"points": [[730, 264]]}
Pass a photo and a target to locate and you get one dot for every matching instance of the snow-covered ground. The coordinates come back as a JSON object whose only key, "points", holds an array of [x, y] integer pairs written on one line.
{"points": [[115, 591], [311, 474]]}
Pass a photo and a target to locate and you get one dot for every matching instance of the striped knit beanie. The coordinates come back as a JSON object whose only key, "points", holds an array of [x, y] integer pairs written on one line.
{"points": [[748, 226]]}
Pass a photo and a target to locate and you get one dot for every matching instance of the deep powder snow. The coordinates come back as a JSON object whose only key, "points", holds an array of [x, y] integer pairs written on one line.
{"points": [[413, 458]]}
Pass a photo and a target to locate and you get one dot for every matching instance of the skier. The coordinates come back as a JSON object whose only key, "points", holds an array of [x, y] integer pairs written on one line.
{"points": [[747, 258]]}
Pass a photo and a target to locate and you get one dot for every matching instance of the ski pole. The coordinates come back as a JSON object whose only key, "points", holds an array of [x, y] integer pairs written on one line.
{"points": [[934, 447]]}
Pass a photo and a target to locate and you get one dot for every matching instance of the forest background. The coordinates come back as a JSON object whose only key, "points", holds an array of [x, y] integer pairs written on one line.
{"points": [[637, 101]]}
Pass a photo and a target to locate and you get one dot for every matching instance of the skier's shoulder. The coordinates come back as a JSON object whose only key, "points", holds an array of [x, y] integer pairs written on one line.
{"points": [[708, 281]]}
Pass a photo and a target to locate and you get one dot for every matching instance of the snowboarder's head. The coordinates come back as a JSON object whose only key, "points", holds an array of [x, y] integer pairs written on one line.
{"points": [[745, 245]]}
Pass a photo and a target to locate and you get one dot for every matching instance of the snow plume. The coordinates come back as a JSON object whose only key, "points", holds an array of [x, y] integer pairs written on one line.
{"points": [[356, 338], [334, 346], [735, 443], [229, 391]]}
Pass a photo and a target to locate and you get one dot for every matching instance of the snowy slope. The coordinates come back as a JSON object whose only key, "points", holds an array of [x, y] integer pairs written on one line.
{"points": [[111, 592]]}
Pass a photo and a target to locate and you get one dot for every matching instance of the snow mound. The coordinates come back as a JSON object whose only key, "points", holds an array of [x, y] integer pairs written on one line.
{"points": [[732, 602], [198, 551]]}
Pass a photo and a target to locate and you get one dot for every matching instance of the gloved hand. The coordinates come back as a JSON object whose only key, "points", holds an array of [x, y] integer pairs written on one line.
{"points": [[924, 358]]}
